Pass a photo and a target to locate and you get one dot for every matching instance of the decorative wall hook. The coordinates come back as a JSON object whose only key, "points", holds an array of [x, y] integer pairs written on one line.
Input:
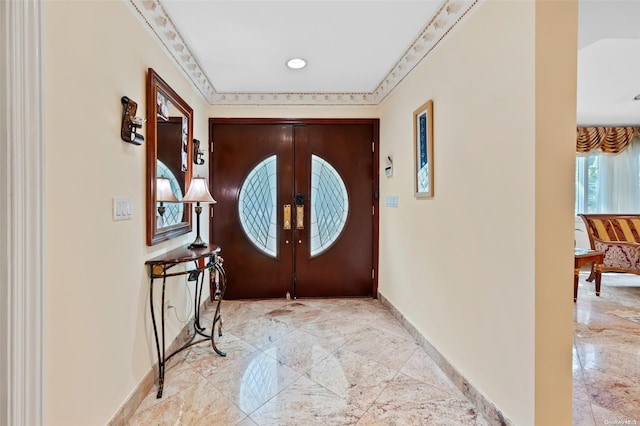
{"points": [[197, 153], [130, 123]]}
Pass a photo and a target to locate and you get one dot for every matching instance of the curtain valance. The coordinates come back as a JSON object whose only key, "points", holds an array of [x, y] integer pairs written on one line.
{"points": [[608, 139]]}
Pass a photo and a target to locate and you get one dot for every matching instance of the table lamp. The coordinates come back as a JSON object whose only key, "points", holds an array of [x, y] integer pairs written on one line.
{"points": [[198, 193]]}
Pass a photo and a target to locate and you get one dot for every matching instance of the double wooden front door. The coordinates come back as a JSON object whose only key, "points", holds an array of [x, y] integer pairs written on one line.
{"points": [[295, 208]]}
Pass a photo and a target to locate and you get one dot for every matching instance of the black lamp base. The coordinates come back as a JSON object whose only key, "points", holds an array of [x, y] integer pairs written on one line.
{"points": [[199, 242]]}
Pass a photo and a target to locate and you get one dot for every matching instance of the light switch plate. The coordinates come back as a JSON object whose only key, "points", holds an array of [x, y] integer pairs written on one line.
{"points": [[391, 201], [122, 209]]}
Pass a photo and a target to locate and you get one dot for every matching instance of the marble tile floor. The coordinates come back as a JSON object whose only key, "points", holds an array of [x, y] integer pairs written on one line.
{"points": [[606, 352], [307, 362], [348, 361]]}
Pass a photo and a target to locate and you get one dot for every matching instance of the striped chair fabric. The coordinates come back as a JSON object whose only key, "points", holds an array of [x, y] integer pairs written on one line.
{"points": [[618, 236]]}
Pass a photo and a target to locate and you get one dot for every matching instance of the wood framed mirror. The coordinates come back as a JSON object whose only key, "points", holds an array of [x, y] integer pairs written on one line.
{"points": [[169, 158]]}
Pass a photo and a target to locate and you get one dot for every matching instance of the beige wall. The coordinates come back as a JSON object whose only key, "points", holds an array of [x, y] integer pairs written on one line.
{"points": [[470, 268], [99, 341], [556, 77]]}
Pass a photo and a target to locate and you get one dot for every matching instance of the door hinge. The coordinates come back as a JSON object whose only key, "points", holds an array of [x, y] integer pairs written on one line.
{"points": [[373, 274], [373, 147], [211, 147], [373, 210]]}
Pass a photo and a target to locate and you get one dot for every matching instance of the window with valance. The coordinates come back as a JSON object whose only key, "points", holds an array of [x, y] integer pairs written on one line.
{"points": [[608, 170]]}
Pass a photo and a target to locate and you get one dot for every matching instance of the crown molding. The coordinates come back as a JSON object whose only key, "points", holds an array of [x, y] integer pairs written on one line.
{"points": [[159, 22], [433, 33], [155, 16]]}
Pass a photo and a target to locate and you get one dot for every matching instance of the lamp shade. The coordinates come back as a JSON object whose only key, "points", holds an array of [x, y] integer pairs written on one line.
{"points": [[163, 191], [198, 192]]}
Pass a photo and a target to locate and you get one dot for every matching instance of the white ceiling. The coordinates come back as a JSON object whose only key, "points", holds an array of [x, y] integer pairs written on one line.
{"points": [[234, 51], [349, 46], [357, 51], [608, 62]]}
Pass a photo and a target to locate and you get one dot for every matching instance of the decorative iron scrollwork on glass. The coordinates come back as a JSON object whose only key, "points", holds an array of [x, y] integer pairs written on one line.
{"points": [[257, 206], [329, 205]]}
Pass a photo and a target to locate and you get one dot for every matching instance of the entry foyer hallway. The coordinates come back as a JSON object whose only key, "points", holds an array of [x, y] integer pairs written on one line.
{"points": [[307, 362], [348, 361]]}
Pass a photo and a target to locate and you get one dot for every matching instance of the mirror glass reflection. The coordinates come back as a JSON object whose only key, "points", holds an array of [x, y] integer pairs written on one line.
{"points": [[171, 164], [169, 129]]}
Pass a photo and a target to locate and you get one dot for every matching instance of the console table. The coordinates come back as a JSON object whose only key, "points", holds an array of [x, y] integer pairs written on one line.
{"points": [[160, 267]]}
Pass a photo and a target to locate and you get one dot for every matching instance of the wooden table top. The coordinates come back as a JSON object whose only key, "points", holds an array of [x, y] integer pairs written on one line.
{"points": [[184, 254]]}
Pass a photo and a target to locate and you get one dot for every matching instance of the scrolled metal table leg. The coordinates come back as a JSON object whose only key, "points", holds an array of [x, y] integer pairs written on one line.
{"points": [[217, 317], [160, 353], [197, 299]]}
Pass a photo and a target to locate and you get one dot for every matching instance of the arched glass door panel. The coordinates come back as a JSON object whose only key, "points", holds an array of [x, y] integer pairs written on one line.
{"points": [[329, 205], [257, 206]]}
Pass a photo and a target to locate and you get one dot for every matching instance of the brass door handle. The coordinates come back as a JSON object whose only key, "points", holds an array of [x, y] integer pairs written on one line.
{"points": [[287, 217], [299, 217], [299, 211]]}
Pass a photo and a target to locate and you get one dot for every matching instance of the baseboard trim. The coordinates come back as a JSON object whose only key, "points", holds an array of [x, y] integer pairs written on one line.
{"points": [[136, 397], [484, 406]]}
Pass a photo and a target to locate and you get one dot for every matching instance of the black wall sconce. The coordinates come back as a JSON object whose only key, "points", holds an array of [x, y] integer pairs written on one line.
{"points": [[131, 123], [197, 153]]}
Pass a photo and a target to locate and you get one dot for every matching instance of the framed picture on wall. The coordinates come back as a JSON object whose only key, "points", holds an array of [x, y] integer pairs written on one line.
{"points": [[423, 150]]}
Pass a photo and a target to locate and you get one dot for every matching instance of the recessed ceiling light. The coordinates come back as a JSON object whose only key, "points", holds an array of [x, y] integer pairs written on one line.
{"points": [[296, 63]]}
